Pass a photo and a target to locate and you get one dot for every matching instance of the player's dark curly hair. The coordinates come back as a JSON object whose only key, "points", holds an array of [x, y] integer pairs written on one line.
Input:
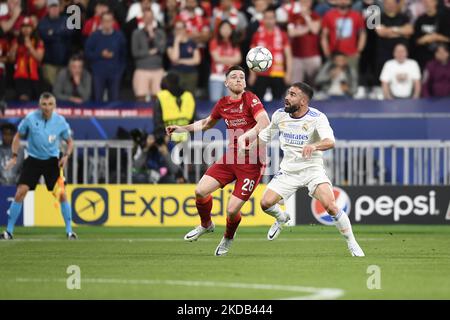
{"points": [[305, 88]]}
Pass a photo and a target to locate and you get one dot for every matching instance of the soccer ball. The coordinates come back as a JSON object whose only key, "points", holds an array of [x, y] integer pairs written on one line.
{"points": [[259, 59]]}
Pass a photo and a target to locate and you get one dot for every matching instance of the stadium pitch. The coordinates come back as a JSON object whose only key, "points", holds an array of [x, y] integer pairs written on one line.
{"points": [[306, 262]]}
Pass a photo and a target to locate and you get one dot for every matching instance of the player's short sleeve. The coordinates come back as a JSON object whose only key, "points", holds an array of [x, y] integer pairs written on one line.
{"points": [[256, 105], [215, 114], [323, 128], [268, 132], [24, 127], [65, 130]]}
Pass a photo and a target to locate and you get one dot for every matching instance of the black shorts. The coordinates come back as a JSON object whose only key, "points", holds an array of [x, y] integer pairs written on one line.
{"points": [[34, 168]]}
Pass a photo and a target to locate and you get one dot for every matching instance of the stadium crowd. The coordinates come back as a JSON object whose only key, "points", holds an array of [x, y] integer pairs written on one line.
{"points": [[361, 49]]}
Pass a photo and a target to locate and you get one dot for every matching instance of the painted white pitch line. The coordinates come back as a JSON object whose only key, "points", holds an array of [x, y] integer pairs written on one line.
{"points": [[176, 240], [314, 293]]}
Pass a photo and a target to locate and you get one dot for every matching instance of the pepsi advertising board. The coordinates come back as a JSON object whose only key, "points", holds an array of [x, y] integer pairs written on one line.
{"points": [[380, 205]]}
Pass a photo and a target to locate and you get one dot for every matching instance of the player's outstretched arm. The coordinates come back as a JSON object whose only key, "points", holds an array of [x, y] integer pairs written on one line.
{"points": [[15, 149], [322, 145], [262, 121], [200, 125]]}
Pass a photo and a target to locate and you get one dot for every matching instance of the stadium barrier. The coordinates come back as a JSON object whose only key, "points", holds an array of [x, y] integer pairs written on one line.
{"points": [[354, 163], [381, 205], [99, 161]]}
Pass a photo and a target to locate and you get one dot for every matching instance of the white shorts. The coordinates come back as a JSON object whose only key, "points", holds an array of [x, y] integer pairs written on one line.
{"points": [[286, 184]]}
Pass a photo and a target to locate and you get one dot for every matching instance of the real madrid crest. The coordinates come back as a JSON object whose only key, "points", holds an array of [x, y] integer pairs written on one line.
{"points": [[305, 127]]}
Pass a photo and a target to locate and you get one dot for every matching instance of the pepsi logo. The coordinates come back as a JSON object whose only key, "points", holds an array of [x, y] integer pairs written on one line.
{"points": [[342, 202]]}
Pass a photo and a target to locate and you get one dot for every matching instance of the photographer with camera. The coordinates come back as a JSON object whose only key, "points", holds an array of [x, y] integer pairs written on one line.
{"points": [[151, 160], [337, 78]]}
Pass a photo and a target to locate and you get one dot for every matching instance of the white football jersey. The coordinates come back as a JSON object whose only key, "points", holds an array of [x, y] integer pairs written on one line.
{"points": [[294, 133]]}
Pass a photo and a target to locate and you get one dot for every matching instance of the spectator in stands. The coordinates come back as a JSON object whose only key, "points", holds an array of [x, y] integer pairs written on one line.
{"points": [[436, 77], [94, 23], [400, 77], [11, 21], [9, 177], [303, 30], [148, 46], [196, 21], [74, 82], [184, 57], [429, 30], [412, 9], [271, 36], [174, 106], [136, 11], [343, 30], [394, 28], [337, 79], [152, 162], [37, 8], [118, 8], [198, 30], [255, 15], [4, 49], [367, 68], [106, 51], [27, 52], [227, 11], [57, 41], [225, 53], [324, 6], [169, 15]]}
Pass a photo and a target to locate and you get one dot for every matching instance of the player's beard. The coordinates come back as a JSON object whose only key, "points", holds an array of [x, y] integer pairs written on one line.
{"points": [[288, 108]]}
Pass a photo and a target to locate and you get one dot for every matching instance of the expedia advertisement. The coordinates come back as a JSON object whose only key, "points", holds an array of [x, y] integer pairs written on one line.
{"points": [[381, 205], [141, 205]]}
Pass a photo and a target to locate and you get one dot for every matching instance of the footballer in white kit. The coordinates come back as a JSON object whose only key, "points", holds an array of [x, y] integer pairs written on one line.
{"points": [[304, 134]]}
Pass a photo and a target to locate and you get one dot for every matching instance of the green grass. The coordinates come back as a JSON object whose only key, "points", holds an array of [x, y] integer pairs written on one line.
{"points": [[414, 263]]}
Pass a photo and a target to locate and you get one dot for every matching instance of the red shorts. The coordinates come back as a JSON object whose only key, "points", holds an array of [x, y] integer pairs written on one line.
{"points": [[247, 177]]}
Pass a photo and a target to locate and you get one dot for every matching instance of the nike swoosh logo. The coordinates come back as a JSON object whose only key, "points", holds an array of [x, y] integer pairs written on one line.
{"points": [[188, 237], [273, 234]]}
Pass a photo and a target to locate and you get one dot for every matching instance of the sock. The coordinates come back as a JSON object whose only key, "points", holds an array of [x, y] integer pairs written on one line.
{"points": [[13, 213], [275, 211], [204, 207], [342, 223], [232, 225], [66, 211]]}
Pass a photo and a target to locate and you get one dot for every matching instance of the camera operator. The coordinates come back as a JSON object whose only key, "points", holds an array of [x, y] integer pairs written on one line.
{"points": [[152, 162]]}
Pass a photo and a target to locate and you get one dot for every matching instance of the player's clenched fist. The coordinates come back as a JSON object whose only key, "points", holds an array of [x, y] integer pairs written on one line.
{"points": [[171, 129], [308, 150]]}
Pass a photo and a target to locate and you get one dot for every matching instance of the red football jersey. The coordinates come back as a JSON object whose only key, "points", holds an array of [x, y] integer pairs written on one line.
{"points": [[239, 115]]}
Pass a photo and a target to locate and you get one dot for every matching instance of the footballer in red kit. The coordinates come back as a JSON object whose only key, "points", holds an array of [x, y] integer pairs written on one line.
{"points": [[245, 117]]}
